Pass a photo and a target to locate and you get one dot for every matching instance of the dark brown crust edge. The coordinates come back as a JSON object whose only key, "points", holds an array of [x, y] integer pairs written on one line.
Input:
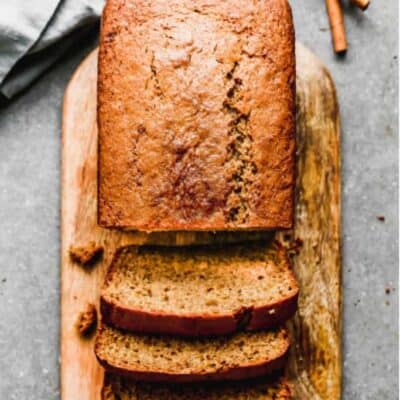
{"points": [[193, 228], [148, 322], [248, 319], [241, 372], [294, 113], [100, 222]]}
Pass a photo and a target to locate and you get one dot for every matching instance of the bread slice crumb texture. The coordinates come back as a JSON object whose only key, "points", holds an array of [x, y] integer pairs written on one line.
{"points": [[275, 388], [202, 280], [192, 358]]}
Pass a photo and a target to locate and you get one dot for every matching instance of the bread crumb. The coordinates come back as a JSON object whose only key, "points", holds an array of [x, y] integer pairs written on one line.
{"points": [[387, 290], [380, 218], [87, 320], [86, 255], [292, 246]]}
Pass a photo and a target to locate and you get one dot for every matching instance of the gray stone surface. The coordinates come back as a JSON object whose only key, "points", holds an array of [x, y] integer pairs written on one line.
{"points": [[367, 82]]}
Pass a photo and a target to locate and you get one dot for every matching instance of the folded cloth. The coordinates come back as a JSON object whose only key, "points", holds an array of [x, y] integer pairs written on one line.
{"points": [[35, 33]]}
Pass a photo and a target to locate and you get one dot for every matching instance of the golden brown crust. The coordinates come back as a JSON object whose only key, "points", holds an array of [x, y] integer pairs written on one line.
{"points": [[196, 113]]}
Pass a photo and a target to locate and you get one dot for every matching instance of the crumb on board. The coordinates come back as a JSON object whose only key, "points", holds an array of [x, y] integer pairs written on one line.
{"points": [[387, 290], [86, 255], [381, 218], [287, 237], [87, 320], [295, 247], [291, 244]]}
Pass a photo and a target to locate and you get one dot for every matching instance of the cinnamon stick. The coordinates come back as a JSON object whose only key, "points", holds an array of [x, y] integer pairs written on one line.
{"points": [[336, 21], [363, 4]]}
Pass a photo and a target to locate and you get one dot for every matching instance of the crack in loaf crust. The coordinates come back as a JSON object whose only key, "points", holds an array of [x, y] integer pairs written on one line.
{"points": [[196, 113]]}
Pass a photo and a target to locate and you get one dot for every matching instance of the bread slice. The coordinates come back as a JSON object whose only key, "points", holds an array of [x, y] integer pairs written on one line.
{"points": [[116, 388], [170, 359], [199, 291]]}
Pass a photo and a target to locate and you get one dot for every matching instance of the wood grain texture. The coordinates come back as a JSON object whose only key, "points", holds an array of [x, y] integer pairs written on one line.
{"points": [[315, 364]]}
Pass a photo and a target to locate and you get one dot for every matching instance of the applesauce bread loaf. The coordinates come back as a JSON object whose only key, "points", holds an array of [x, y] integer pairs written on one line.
{"points": [[275, 388], [172, 359], [197, 291], [196, 115]]}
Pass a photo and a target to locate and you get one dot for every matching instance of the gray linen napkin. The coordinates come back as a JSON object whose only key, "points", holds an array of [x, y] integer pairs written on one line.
{"points": [[35, 33]]}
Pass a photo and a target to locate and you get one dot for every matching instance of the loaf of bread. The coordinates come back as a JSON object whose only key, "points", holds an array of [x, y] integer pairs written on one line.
{"points": [[197, 291], [196, 115], [275, 388], [172, 359]]}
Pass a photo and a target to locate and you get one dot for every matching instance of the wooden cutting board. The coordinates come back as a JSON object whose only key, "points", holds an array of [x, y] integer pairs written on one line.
{"points": [[315, 362]]}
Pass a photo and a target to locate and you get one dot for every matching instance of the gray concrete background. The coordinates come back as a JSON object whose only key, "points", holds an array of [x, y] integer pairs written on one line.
{"points": [[367, 82]]}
